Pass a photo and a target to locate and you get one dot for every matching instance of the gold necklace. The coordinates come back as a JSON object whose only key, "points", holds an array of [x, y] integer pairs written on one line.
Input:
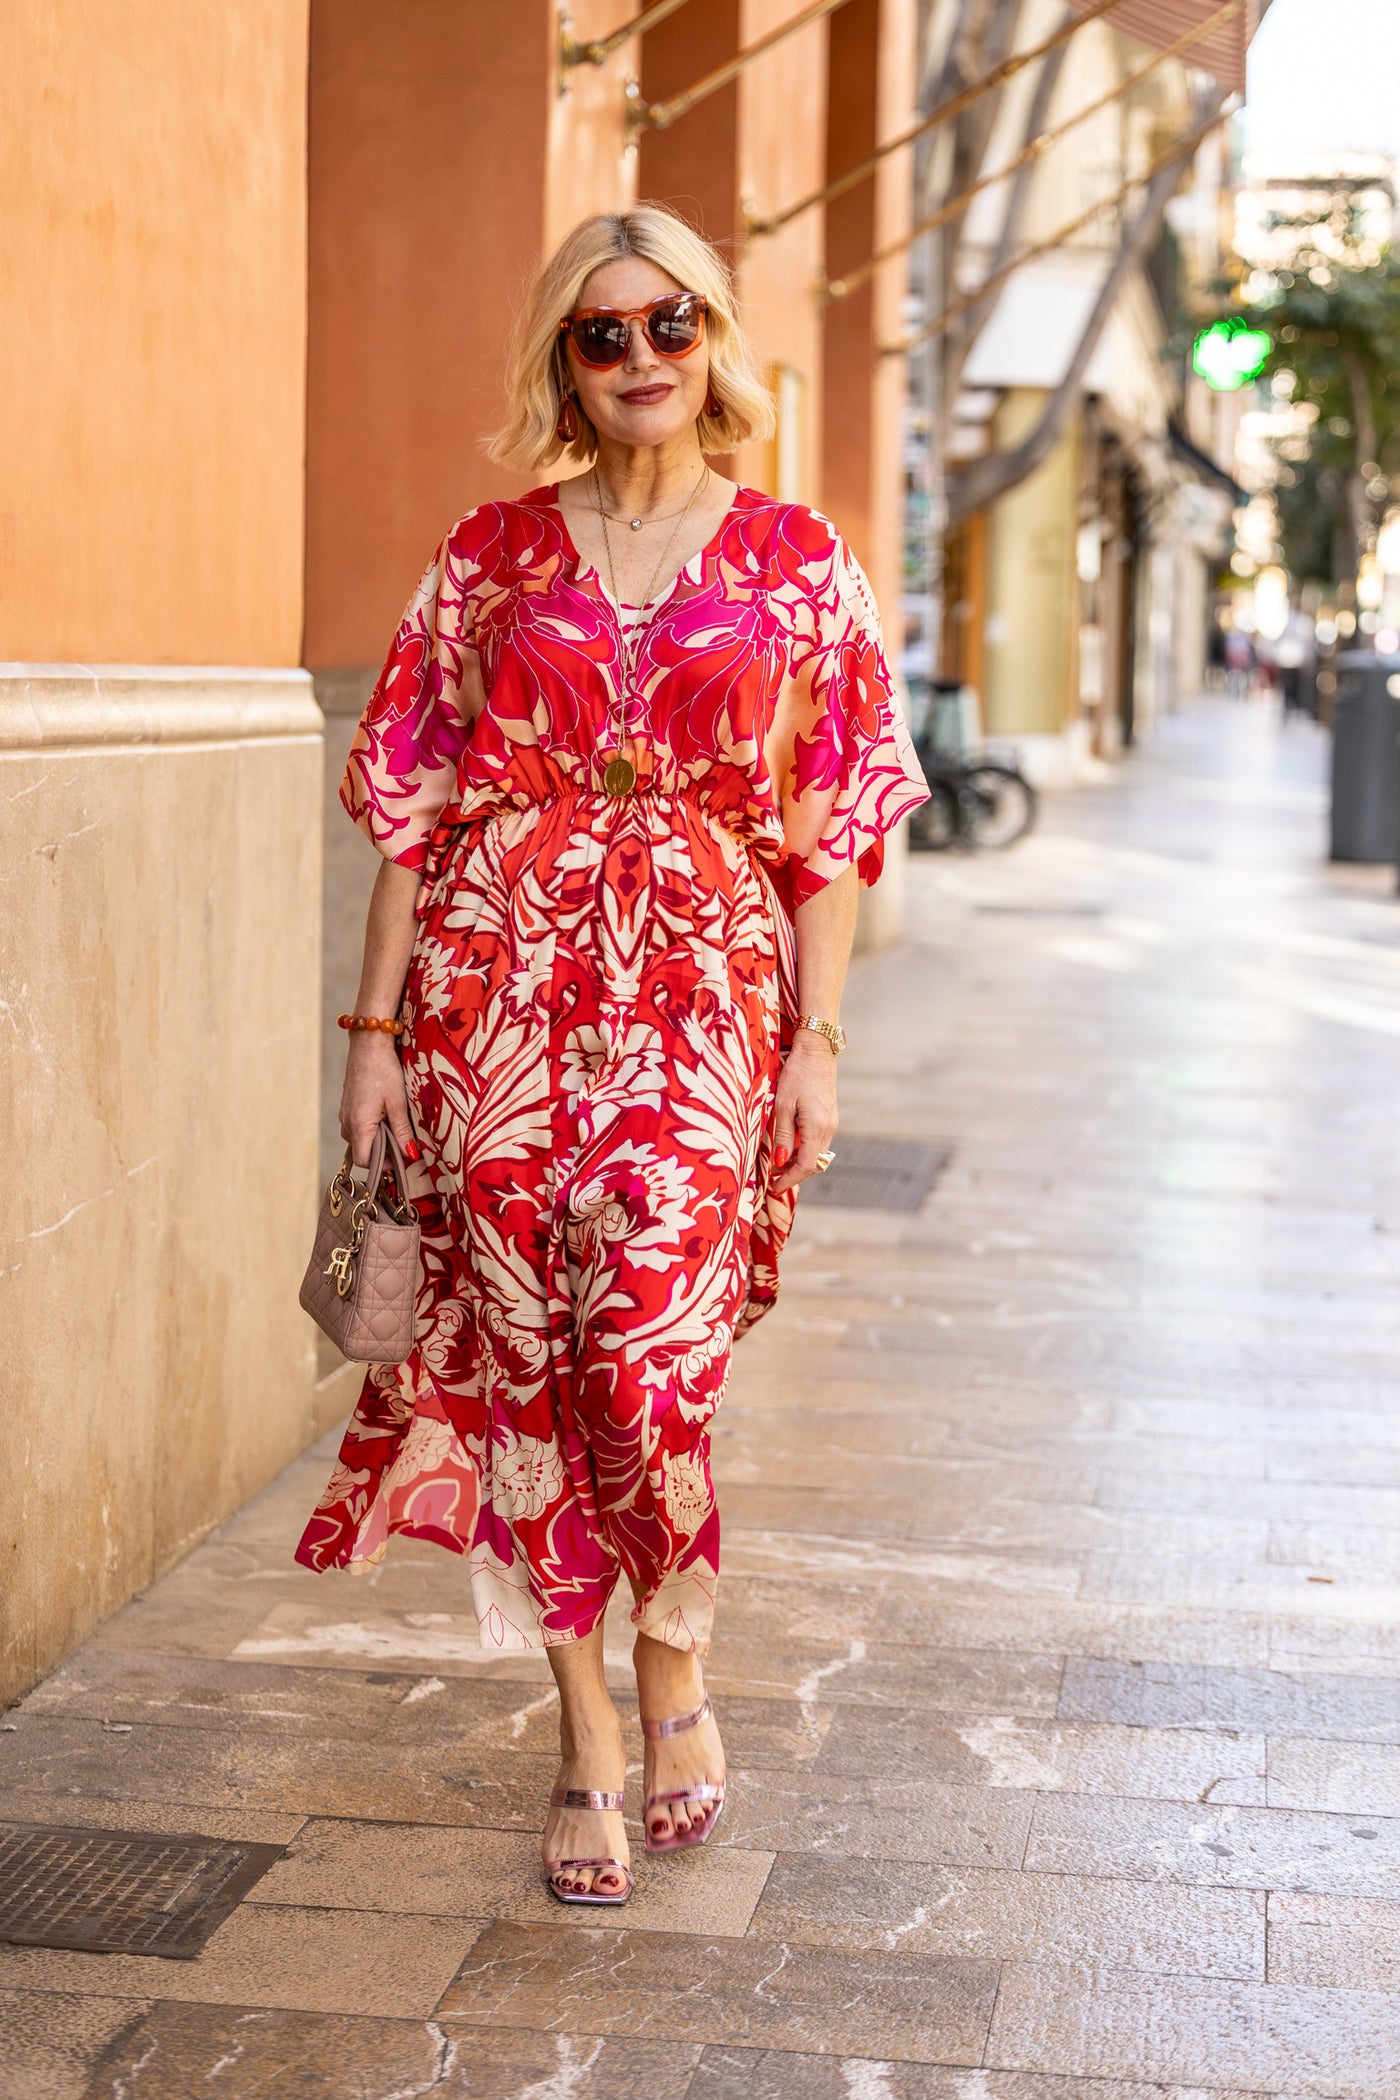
{"points": [[620, 776], [635, 523]]}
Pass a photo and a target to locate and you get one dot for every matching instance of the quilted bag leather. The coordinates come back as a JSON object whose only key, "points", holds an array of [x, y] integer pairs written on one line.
{"points": [[361, 1280]]}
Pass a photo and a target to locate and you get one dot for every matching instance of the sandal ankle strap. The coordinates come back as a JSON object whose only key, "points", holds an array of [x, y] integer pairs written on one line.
{"points": [[657, 1731], [584, 1797]]}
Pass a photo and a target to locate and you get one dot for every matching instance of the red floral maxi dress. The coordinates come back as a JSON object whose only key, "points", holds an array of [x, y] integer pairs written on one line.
{"points": [[595, 1013]]}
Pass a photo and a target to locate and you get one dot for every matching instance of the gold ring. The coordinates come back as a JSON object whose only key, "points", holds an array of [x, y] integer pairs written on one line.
{"points": [[824, 1160]]}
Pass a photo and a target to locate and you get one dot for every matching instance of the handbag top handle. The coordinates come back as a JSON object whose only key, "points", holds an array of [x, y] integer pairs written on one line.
{"points": [[386, 1151]]}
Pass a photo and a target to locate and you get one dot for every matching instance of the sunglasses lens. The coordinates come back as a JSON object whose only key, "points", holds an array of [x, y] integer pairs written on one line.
{"points": [[674, 327], [600, 341]]}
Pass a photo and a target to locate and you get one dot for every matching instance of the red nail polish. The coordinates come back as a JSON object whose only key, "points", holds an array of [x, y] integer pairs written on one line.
{"points": [[780, 1157], [411, 1152]]}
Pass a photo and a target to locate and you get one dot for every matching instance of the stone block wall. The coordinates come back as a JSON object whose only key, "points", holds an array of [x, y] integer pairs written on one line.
{"points": [[160, 864]]}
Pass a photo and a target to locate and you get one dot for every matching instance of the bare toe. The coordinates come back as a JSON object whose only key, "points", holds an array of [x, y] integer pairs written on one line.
{"points": [[575, 1832]]}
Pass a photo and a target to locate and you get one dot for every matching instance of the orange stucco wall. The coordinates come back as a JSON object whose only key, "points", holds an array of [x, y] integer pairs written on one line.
{"points": [[782, 104], [898, 84], [870, 100], [152, 281], [693, 164], [444, 162], [852, 130], [587, 168], [759, 138], [427, 212]]}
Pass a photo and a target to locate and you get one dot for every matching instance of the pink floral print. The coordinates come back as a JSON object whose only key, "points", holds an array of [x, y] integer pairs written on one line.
{"points": [[597, 1006]]}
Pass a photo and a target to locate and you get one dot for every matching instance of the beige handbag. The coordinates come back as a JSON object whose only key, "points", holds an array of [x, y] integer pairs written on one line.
{"points": [[360, 1284]]}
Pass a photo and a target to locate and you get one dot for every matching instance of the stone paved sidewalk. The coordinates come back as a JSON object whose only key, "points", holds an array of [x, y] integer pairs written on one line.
{"points": [[1059, 1662]]}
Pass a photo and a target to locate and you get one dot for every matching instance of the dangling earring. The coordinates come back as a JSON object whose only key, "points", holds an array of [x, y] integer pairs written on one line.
{"points": [[566, 429], [713, 405]]}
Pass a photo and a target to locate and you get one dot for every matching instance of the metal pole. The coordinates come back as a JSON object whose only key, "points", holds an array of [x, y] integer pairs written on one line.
{"points": [[597, 53], [944, 114], [839, 287], [655, 116], [944, 320]]}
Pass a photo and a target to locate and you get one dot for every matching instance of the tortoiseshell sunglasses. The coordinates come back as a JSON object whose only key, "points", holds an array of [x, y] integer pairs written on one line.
{"points": [[602, 335]]}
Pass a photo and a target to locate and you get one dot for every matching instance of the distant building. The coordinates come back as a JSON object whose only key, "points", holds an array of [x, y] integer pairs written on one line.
{"points": [[1342, 207], [1076, 603]]}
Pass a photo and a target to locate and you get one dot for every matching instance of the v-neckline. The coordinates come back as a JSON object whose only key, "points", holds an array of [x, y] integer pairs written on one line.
{"points": [[584, 568]]}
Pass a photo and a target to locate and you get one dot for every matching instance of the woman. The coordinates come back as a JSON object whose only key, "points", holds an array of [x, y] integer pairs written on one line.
{"points": [[632, 751]]}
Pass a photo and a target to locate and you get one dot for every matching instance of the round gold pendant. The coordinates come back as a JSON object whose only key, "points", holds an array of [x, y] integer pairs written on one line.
{"points": [[620, 777]]}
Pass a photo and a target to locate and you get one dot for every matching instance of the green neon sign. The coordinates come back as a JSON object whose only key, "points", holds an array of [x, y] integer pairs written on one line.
{"points": [[1229, 354]]}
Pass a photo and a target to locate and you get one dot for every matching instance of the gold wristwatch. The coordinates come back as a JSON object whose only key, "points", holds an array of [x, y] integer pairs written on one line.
{"points": [[832, 1030]]}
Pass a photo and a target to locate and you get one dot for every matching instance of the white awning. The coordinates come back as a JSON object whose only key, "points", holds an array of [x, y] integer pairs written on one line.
{"points": [[1036, 325], [1038, 322]]}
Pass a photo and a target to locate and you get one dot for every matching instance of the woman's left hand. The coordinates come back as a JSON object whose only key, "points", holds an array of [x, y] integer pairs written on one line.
{"points": [[804, 1121]]}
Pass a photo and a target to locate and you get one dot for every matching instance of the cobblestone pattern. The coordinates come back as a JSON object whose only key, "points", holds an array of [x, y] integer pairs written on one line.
{"points": [[1058, 1662]]}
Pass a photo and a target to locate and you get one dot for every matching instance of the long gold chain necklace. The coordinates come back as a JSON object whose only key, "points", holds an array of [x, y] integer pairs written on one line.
{"points": [[620, 776]]}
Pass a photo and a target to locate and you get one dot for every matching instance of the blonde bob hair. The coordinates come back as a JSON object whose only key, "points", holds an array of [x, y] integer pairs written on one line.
{"points": [[538, 374]]}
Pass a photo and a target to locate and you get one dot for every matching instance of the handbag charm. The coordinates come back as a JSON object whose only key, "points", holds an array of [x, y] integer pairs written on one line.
{"points": [[340, 1269]]}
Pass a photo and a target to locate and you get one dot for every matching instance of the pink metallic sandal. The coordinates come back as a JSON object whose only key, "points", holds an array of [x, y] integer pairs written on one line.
{"points": [[681, 1840], [585, 1797]]}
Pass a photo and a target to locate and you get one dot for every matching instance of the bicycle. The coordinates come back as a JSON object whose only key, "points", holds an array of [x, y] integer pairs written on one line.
{"points": [[973, 802]]}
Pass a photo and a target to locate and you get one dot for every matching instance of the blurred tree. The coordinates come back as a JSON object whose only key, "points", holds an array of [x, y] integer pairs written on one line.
{"points": [[1335, 331]]}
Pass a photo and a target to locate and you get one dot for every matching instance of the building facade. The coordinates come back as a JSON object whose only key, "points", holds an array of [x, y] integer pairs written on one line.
{"points": [[1075, 603]]}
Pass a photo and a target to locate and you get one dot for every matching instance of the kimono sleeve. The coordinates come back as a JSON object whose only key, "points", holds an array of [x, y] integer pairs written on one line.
{"points": [[402, 767], [855, 774]]}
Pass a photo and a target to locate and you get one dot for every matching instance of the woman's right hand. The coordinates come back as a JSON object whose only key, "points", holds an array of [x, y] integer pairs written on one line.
{"points": [[374, 1088]]}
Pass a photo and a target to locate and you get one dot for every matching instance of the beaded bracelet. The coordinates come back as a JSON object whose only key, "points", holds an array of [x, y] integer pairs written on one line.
{"points": [[369, 1021]]}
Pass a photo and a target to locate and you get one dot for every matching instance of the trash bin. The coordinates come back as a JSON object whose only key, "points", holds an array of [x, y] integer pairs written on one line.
{"points": [[1366, 758], [953, 721]]}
